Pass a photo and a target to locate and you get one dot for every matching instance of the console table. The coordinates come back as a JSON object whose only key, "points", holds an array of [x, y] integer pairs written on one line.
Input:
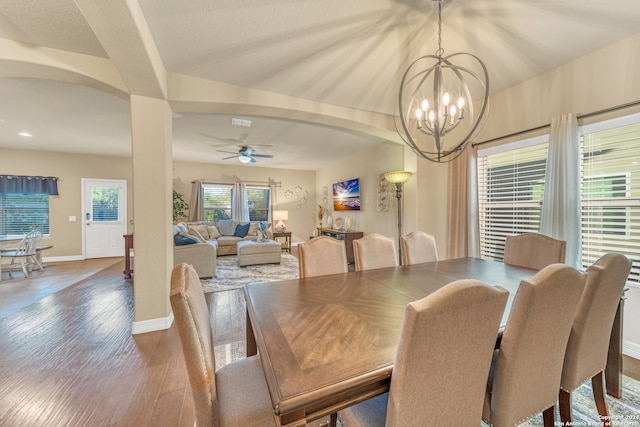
{"points": [[347, 236]]}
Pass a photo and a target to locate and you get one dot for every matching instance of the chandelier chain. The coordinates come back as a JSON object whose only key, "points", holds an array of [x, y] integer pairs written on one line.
{"points": [[440, 51]]}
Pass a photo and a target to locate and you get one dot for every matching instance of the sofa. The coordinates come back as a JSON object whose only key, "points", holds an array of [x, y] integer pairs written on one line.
{"points": [[224, 235], [202, 255]]}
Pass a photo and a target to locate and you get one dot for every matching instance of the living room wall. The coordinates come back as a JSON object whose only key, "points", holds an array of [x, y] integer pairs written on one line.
{"points": [[300, 203], [65, 235], [367, 165]]}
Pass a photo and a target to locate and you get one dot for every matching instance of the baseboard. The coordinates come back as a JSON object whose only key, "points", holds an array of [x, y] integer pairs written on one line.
{"points": [[631, 349], [151, 325], [63, 258]]}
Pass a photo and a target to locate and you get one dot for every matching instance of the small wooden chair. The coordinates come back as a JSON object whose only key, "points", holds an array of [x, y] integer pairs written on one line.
{"points": [[25, 253]]}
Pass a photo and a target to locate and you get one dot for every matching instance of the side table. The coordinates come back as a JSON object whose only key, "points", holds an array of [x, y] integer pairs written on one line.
{"points": [[287, 239]]}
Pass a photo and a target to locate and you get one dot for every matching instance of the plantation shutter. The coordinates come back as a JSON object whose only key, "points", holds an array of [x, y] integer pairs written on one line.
{"points": [[510, 192], [611, 191]]}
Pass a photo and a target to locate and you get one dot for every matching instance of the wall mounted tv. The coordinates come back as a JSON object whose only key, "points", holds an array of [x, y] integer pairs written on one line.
{"points": [[346, 195]]}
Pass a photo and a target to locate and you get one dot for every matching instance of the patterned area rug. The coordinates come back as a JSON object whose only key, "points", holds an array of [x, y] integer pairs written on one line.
{"points": [[231, 276]]}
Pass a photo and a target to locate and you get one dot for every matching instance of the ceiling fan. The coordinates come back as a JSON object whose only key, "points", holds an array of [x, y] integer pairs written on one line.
{"points": [[245, 155]]}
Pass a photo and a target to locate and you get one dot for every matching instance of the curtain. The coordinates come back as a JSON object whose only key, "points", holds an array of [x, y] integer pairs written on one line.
{"points": [[561, 216], [463, 235], [196, 211], [12, 184], [240, 205]]}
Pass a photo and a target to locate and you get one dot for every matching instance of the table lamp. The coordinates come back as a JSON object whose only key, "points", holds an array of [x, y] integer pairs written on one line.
{"points": [[280, 216]]}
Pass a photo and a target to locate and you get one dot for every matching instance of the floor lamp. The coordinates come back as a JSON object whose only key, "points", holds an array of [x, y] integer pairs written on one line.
{"points": [[398, 178]]}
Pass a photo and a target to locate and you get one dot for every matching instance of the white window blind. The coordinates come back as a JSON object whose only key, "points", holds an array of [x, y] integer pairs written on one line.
{"points": [[21, 213], [217, 201], [510, 193], [611, 192], [258, 200]]}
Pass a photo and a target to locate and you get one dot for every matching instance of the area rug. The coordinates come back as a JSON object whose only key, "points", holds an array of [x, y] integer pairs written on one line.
{"points": [[231, 276]]}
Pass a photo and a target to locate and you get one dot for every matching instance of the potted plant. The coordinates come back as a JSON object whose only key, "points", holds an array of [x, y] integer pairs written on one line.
{"points": [[179, 206]]}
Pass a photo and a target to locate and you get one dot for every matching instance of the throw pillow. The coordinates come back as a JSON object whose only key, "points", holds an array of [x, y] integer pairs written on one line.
{"points": [[181, 239], [253, 229], [196, 235], [213, 232], [227, 227], [201, 229], [241, 230]]}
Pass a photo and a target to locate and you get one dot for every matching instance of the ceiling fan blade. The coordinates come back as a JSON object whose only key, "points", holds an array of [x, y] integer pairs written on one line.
{"points": [[230, 157], [253, 160], [266, 156], [230, 152]]}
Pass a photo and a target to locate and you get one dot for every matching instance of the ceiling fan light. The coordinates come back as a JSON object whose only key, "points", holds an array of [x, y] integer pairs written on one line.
{"points": [[244, 159]]}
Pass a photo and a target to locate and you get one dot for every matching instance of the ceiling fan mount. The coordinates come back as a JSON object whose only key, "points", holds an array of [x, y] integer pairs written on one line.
{"points": [[245, 154]]}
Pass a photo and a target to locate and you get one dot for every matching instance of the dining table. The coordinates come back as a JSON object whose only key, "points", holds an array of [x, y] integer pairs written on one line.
{"points": [[328, 342]]}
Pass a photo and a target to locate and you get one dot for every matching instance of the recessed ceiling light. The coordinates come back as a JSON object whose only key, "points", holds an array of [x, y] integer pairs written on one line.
{"points": [[25, 134], [241, 122]]}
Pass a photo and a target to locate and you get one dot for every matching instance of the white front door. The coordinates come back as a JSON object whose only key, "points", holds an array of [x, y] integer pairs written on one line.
{"points": [[104, 217]]}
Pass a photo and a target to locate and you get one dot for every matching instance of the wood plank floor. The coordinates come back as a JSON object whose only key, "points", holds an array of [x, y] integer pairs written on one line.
{"points": [[69, 359]]}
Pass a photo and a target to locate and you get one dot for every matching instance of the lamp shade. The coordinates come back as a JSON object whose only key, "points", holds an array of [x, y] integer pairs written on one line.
{"points": [[398, 177], [280, 215]]}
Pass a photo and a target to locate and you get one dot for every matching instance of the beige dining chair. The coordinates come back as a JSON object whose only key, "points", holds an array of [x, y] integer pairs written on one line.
{"points": [[586, 355], [418, 247], [533, 250], [526, 370], [234, 396], [442, 362], [374, 251], [322, 255], [25, 254]]}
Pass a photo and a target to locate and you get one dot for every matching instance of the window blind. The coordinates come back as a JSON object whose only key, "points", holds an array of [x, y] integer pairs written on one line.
{"points": [[217, 201], [21, 213], [258, 200], [510, 193], [611, 193]]}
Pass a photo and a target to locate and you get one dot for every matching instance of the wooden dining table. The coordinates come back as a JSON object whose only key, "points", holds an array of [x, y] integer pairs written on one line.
{"points": [[328, 342]]}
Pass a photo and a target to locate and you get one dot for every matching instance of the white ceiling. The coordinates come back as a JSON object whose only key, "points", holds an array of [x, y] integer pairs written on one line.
{"points": [[345, 53]]}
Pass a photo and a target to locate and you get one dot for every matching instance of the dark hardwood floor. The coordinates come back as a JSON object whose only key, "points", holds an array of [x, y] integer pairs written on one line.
{"points": [[68, 358]]}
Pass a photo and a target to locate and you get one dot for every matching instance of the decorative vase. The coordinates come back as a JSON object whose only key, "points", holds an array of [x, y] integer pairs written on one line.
{"points": [[347, 223], [329, 222]]}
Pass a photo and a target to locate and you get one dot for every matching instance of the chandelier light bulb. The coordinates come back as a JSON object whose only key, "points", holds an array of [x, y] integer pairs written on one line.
{"points": [[425, 105], [445, 99], [419, 114]]}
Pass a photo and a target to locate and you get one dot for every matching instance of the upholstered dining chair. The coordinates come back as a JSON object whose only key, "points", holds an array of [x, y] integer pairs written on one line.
{"points": [[25, 253], [526, 370], [586, 355], [418, 247], [236, 395], [533, 250], [452, 330], [322, 255], [374, 251]]}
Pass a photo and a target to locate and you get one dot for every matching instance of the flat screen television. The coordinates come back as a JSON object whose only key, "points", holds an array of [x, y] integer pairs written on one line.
{"points": [[346, 195]]}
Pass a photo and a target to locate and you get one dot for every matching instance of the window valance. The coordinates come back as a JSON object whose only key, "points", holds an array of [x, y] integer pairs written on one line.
{"points": [[16, 184]]}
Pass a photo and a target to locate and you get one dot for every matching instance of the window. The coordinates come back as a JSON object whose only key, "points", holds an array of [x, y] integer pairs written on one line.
{"points": [[510, 188], [258, 200], [611, 191], [511, 185], [21, 213], [217, 201], [218, 198]]}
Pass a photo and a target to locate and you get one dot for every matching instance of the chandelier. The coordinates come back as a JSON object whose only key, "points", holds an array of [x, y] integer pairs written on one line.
{"points": [[435, 100]]}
